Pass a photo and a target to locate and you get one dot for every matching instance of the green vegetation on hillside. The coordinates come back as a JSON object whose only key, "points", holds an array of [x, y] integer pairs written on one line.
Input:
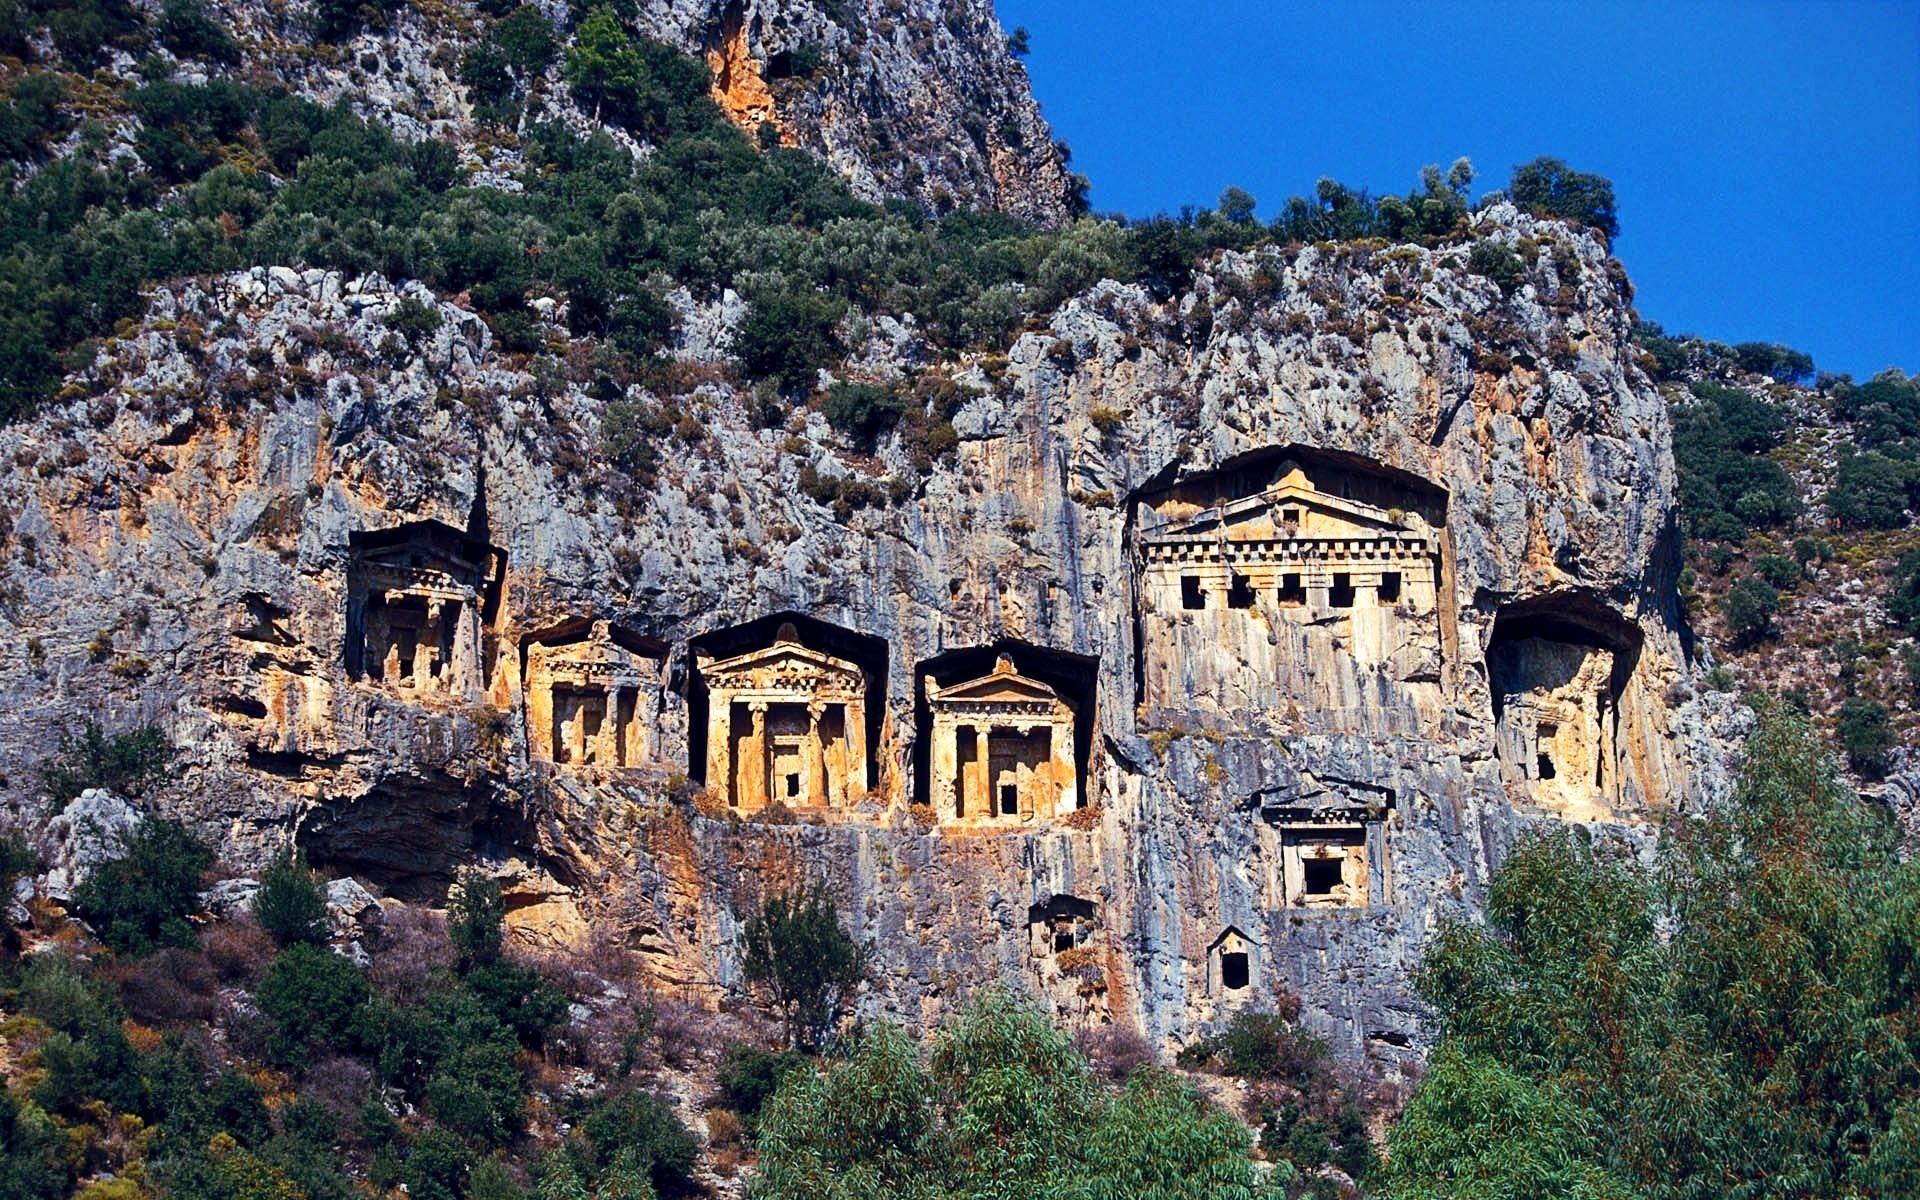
{"points": [[1735, 1021]]}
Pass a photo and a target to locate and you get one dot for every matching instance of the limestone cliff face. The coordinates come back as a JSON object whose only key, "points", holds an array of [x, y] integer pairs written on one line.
{"points": [[1341, 567], [904, 98]]}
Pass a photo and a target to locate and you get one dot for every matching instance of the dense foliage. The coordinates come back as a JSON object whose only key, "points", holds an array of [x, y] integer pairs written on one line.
{"points": [[140, 900], [1002, 1106], [1734, 1022]]}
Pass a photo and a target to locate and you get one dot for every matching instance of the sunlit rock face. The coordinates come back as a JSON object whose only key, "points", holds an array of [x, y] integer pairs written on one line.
{"points": [[1242, 633]]}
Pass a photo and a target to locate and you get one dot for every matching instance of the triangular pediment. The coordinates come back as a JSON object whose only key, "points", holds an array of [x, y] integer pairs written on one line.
{"points": [[1008, 689], [1316, 514], [787, 659]]}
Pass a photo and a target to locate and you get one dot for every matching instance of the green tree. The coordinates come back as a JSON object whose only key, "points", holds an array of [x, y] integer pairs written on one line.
{"points": [[140, 901], [797, 949], [1728, 1022], [476, 917], [605, 69], [1498, 262], [1869, 491], [788, 334], [290, 905], [127, 763], [1866, 734], [1749, 608], [1004, 1107], [1549, 186], [315, 996]]}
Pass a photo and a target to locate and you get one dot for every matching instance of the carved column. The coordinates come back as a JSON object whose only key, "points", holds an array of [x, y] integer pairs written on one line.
{"points": [[720, 745], [813, 763], [755, 765], [857, 781], [988, 792]]}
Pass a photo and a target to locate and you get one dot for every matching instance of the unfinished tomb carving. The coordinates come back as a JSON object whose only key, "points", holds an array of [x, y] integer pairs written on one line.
{"points": [[786, 722], [592, 693], [1294, 579], [1572, 721], [1230, 963], [1003, 749], [422, 599]]}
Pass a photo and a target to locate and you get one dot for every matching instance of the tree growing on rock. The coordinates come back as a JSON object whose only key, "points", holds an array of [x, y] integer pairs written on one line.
{"points": [[796, 948], [290, 905]]}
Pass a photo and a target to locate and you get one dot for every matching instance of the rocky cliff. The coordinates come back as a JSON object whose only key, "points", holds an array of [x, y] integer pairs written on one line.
{"points": [[1313, 580]]}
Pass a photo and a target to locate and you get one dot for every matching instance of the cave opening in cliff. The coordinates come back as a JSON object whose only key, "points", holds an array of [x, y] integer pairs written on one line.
{"points": [[786, 707], [1240, 592], [1003, 731]]}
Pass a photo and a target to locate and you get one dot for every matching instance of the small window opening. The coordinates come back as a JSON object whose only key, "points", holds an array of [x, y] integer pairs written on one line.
{"points": [[1062, 940], [1191, 596], [1389, 587], [1321, 875], [1544, 765], [1292, 591], [793, 783], [1342, 594], [1239, 593], [1009, 800], [1234, 974], [1289, 516]]}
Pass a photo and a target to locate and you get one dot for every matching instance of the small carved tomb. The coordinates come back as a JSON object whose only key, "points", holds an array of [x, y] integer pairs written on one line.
{"points": [[418, 600], [1002, 750], [1572, 721], [1331, 841], [1063, 923], [786, 723], [1230, 962], [590, 695]]}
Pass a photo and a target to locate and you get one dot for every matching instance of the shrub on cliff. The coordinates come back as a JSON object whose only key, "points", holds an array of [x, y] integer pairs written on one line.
{"points": [[796, 948], [1869, 491], [1749, 608], [127, 763], [1730, 1021], [140, 900], [1552, 188], [1866, 734], [290, 904]]}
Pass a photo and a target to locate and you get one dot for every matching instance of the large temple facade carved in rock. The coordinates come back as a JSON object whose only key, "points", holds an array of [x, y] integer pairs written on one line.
{"points": [[420, 600], [1292, 587], [592, 695], [786, 723], [1003, 750]]}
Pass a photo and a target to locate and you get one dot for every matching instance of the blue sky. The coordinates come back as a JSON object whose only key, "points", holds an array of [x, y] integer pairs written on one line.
{"points": [[1765, 156]]}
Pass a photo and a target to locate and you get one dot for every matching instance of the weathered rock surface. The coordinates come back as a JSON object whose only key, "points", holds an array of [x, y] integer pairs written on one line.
{"points": [[202, 515], [84, 834], [904, 98]]}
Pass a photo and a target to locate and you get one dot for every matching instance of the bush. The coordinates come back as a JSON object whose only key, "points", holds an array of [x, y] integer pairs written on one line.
{"points": [[1778, 570], [1550, 187], [1866, 734], [315, 996], [643, 1128], [126, 763], [1748, 608], [1261, 1046], [1497, 261], [749, 1077], [788, 335], [796, 947], [476, 916], [1903, 600], [140, 901], [863, 411], [1869, 492], [290, 905]]}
